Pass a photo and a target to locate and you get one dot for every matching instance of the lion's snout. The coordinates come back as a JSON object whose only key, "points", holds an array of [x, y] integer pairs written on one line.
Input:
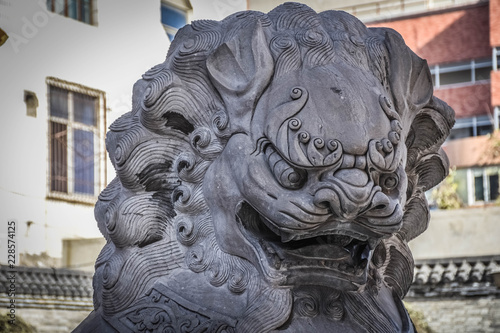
{"points": [[351, 194]]}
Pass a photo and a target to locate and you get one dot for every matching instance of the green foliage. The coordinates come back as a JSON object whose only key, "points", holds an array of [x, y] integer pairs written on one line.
{"points": [[495, 144], [445, 195], [418, 319], [19, 326]]}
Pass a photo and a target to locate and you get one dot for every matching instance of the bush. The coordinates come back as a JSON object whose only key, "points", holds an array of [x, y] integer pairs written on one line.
{"points": [[445, 195], [418, 319]]}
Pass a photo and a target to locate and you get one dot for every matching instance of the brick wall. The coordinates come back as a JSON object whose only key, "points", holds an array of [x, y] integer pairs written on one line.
{"points": [[467, 100], [460, 315], [495, 88], [447, 36], [495, 22]]}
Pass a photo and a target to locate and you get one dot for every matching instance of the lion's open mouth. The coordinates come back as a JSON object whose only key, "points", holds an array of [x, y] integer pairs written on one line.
{"points": [[338, 253]]}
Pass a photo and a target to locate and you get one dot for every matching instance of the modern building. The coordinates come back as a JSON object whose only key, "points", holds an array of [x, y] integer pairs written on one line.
{"points": [[68, 68]]}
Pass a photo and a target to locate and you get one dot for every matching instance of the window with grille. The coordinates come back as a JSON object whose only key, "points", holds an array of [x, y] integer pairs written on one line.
{"points": [[478, 186], [484, 184], [80, 10], [76, 144], [472, 126]]}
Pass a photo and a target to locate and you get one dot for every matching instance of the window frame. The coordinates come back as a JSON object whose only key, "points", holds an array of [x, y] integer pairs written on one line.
{"points": [[171, 30], [495, 57], [484, 173], [473, 123], [99, 131], [51, 7], [472, 65]]}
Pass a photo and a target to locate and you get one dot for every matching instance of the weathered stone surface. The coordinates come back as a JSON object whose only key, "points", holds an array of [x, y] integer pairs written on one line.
{"points": [[269, 176]]}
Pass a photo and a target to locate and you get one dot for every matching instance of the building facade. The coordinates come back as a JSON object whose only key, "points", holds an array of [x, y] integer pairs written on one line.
{"points": [[67, 72]]}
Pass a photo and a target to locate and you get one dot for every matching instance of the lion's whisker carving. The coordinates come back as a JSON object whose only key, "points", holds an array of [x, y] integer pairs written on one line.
{"points": [[269, 177]]}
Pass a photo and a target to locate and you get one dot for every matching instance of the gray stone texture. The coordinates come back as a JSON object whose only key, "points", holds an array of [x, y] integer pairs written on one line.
{"points": [[269, 177]]}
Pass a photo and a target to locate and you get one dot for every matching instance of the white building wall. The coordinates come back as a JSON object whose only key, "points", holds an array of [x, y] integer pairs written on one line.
{"points": [[110, 56], [456, 233], [216, 9]]}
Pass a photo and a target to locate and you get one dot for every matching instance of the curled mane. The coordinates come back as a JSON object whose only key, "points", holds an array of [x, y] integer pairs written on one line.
{"points": [[154, 215]]}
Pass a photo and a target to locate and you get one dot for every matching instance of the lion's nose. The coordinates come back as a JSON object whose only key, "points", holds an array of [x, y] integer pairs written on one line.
{"points": [[381, 205], [349, 193], [346, 192], [341, 203]]}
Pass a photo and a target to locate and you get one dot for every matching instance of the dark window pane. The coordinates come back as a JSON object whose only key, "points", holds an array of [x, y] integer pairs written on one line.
{"points": [[485, 129], [84, 108], [58, 157], [58, 102], [493, 187], [479, 188], [84, 161], [172, 17], [80, 10], [483, 73], [458, 133], [59, 7], [85, 11], [455, 77], [73, 9]]}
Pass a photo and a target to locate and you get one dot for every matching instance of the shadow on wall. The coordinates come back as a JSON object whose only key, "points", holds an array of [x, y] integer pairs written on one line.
{"points": [[466, 38]]}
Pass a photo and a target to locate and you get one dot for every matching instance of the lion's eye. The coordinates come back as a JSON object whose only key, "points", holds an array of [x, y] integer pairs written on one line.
{"points": [[287, 176], [389, 181]]}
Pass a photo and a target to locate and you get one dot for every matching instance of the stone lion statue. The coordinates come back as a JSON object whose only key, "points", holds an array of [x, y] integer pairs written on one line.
{"points": [[269, 177]]}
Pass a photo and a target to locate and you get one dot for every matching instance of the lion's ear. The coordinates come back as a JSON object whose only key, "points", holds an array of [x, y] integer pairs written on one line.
{"points": [[408, 74], [427, 122], [240, 70]]}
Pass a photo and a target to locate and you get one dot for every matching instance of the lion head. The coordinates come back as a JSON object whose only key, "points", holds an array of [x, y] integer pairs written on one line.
{"points": [[286, 152]]}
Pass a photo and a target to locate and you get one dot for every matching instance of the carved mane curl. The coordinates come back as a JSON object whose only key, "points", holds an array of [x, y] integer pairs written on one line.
{"points": [[153, 214]]}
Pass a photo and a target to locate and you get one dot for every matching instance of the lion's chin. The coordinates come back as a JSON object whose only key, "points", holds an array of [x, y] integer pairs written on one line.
{"points": [[335, 258]]}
